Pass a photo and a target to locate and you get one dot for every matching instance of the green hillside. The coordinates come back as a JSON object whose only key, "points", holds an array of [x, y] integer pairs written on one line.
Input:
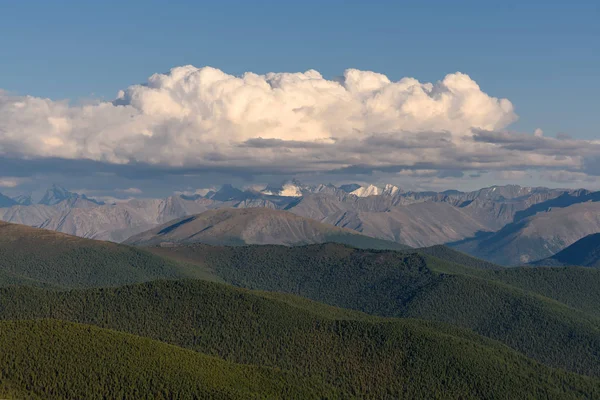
{"points": [[576, 287], [547, 314], [39, 257], [396, 284], [365, 356], [49, 359]]}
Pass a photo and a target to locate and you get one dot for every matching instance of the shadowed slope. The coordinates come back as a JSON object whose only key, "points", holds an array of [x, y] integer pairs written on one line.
{"points": [[585, 252]]}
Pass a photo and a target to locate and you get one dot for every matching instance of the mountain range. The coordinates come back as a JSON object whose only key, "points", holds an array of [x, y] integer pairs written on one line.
{"points": [[509, 225]]}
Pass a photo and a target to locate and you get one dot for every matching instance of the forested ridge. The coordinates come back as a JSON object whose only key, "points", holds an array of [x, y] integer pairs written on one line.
{"points": [[365, 355], [498, 304], [49, 359], [39, 257], [424, 323]]}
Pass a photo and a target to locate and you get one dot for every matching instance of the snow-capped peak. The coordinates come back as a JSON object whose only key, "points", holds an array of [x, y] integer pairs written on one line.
{"points": [[390, 190], [372, 190], [366, 191]]}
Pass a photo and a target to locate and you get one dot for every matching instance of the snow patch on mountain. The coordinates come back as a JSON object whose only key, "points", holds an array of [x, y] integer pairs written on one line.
{"points": [[366, 191]]}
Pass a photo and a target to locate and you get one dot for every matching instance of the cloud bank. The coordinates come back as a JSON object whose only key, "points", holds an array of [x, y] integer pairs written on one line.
{"points": [[204, 119]]}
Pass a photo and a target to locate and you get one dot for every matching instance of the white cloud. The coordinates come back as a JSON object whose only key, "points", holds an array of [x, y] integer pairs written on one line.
{"points": [[289, 123], [9, 182], [568, 177], [191, 115]]}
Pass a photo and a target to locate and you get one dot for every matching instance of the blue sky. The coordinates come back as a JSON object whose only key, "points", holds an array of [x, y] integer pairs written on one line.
{"points": [[543, 56]]}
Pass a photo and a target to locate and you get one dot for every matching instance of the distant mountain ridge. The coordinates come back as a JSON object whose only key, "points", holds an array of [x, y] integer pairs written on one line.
{"points": [[536, 237], [23, 199], [6, 201], [416, 219], [231, 226], [57, 194]]}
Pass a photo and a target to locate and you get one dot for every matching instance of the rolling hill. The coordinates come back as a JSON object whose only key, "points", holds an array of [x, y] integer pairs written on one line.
{"points": [[408, 284], [46, 258], [229, 226], [367, 357], [448, 254], [584, 252], [535, 313], [50, 359]]}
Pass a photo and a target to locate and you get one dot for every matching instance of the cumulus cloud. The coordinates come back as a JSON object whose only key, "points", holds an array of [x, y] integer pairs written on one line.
{"points": [[203, 119], [9, 182], [193, 116]]}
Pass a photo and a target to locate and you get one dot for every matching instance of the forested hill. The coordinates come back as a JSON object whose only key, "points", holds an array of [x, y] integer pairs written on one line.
{"points": [[46, 258], [520, 313], [548, 317], [366, 356], [50, 359]]}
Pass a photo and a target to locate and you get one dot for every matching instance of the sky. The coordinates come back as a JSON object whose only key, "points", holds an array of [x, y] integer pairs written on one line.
{"points": [[425, 94]]}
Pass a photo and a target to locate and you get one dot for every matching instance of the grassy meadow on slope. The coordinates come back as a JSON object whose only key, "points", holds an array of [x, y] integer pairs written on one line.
{"points": [[49, 359], [397, 284], [366, 356], [40, 257]]}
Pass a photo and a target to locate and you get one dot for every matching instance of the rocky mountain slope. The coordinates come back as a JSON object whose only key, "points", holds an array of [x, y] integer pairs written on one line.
{"points": [[536, 237], [6, 201], [230, 226], [584, 252], [413, 218]]}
